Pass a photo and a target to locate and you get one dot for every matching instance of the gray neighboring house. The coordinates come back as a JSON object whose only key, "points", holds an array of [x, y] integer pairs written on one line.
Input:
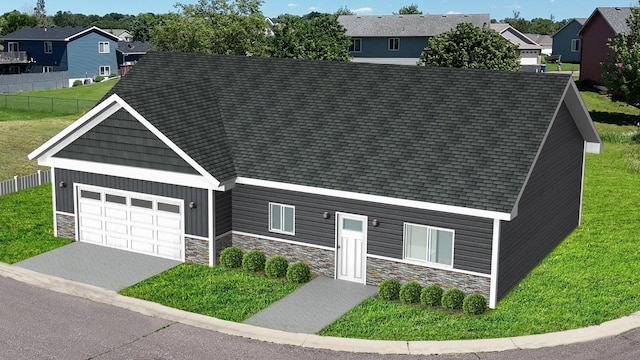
{"points": [[364, 171], [399, 39], [545, 41], [566, 41], [528, 50]]}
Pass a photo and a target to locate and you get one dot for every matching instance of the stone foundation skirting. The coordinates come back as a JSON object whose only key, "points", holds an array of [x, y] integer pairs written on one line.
{"points": [[380, 269], [320, 261], [221, 244], [196, 250], [66, 226]]}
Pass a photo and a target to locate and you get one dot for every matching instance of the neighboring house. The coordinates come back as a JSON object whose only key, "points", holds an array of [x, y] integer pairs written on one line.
{"points": [[528, 50], [365, 171], [399, 39], [83, 51], [545, 41], [122, 34], [129, 53], [566, 41], [603, 24]]}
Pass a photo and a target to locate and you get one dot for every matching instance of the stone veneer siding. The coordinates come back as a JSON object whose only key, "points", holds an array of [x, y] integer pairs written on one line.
{"points": [[221, 244], [379, 269], [196, 250], [320, 261], [66, 226]]}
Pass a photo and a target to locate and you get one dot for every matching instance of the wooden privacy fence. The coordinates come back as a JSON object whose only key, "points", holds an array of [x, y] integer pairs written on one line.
{"points": [[25, 182]]}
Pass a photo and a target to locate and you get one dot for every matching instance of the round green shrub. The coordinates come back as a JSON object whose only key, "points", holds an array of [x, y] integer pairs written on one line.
{"points": [[77, 83], [474, 304], [98, 78], [231, 257], [452, 299], [431, 295], [299, 272], [253, 260], [410, 292], [276, 267], [389, 289]]}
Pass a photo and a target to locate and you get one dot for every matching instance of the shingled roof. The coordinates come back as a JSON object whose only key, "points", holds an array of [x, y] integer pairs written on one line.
{"points": [[53, 33], [407, 25], [450, 136], [616, 17]]}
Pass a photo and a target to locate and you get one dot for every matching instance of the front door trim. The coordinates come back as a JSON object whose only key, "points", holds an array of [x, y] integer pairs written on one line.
{"points": [[359, 252]]}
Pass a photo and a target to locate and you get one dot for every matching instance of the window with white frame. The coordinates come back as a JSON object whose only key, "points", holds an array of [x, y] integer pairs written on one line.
{"points": [[282, 218], [48, 47], [356, 45], [428, 244], [13, 46], [105, 70], [575, 45], [394, 44], [104, 47], [47, 69]]}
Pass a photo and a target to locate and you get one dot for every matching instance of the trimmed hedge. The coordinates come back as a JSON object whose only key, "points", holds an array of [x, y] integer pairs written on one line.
{"points": [[276, 267], [299, 272], [431, 295], [389, 289], [410, 292], [231, 257], [452, 299], [253, 260], [474, 304]]}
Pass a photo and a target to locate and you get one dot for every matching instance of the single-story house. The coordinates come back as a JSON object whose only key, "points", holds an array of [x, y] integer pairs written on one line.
{"points": [[399, 39], [604, 23], [528, 50], [365, 171], [566, 41], [545, 41]]}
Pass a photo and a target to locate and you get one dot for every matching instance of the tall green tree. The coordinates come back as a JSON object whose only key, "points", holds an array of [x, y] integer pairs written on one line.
{"points": [[344, 10], [409, 10], [40, 12], [622, 70], [468, 46], [16, 20], [142, 26], [314, 36]]}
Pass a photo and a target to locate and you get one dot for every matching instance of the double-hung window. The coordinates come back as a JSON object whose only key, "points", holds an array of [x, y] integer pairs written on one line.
{"points": [[103, 47], [575, 45], [428, 244], [104, 70], [394, 44], [48, 47], [356, 45], [282, 219]]}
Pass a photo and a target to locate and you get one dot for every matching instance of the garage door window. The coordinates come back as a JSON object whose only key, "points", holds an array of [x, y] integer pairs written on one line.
{"points": [[145, 204], [90, 195], [116, 199], [169, 208]]}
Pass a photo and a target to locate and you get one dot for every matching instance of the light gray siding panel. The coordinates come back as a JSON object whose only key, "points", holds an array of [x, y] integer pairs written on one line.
{"points": [[223, 211], [123, 140], [549, 208], [251, 213], [196, 220]]}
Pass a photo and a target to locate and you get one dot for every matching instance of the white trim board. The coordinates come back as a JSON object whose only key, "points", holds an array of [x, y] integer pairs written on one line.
{"points": [[282, 240]]}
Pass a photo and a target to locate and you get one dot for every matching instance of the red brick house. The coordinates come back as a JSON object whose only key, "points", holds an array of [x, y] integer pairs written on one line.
{"points": [[603, 24]]}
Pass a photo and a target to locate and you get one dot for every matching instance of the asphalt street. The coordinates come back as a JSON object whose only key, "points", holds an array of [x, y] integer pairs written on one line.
{"points": [[37, 323]]}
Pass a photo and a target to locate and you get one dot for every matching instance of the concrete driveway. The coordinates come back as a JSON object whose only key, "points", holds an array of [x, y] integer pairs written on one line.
{"points": [[100, 266]]}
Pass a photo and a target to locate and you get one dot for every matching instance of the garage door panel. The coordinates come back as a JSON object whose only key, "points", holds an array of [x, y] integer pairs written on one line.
{"points": [[115, 227], [90, 223], [170, 252], [169, 222], [118, 242], [142, 246], [91, 209], [91, 237], [113, 213], [170, 238], [142, 233], [141, 218]]}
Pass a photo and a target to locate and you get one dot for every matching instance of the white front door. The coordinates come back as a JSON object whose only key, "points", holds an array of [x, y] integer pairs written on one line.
{"points": [[351, 247]]}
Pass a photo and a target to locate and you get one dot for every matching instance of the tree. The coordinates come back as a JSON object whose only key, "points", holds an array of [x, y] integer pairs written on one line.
{"points": [[40, 13], [15, 20], [343, 10], [313, 36], [142, 26], [622, 69], [409, 10], [468, 46]]}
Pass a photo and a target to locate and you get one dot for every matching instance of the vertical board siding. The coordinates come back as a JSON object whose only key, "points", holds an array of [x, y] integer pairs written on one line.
{"points": [[223, 211], [123, 140], [196, 220], [251, 215], [549, 208]]}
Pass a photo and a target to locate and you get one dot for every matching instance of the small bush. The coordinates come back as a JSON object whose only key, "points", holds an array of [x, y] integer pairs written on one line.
{"points": [[299, 272], [254, 260], [452, 299], [77, 83], [112, 75], [276, 267], [389, 289], [431, 295], [410, 293], [98, 78], [231, 257], [474, 304]]}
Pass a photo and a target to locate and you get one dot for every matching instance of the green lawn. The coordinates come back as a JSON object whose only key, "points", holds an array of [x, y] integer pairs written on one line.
{"points": [[86, 92], [565, 67]]}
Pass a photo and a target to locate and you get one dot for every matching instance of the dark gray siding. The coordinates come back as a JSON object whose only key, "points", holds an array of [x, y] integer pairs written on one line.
{"points": [[223, 211], [196, 220], [549, 208], [251, 213], [122, 140]]}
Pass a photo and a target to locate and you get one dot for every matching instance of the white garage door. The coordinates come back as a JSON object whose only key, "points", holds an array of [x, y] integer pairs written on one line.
{"points": [[131, 221]]}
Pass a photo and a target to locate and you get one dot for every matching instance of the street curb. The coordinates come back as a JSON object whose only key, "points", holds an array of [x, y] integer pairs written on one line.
{"points": [[109, 297]]}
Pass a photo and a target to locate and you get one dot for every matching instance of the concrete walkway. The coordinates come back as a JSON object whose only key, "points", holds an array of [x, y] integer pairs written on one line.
{"points": [[312, 307], [96, 265]]}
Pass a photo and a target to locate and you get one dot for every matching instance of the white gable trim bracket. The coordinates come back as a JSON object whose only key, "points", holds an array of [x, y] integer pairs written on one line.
{"points": [[95, 116], [581, 116]]}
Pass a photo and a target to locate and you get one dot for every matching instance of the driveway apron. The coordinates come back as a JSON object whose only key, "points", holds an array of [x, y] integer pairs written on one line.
{"points": [[312, 307], [96, 265]]}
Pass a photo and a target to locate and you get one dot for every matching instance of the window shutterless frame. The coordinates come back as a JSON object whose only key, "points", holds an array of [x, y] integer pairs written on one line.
{"points": [[282, 218], [104, 47], [431, 248], [394, 44]]}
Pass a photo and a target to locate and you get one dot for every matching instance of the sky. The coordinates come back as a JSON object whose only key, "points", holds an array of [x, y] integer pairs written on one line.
{"points": [[497, 9]]}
